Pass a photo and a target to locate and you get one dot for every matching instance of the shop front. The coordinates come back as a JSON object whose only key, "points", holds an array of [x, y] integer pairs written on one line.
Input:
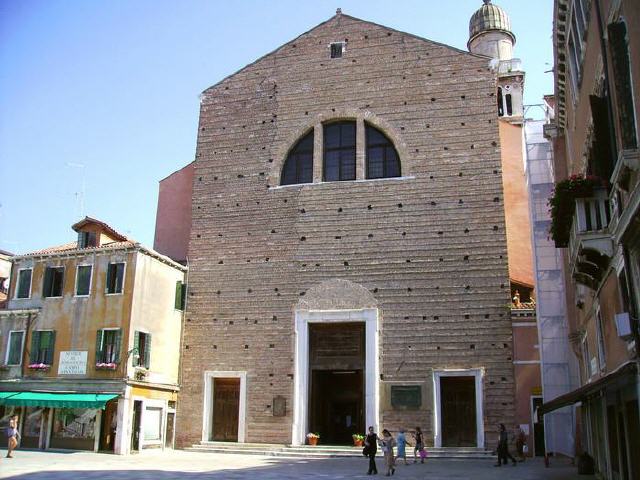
{"points": [[69, 421]]}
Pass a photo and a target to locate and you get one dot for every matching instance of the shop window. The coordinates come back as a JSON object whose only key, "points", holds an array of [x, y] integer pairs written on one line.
{"points": [[152, 424], [53, 282], [382, 158], [24, 283], [339, 151], [108, 346], [142, 343], [14, 348], [83, 280], [42, 346], [73, 428], [115, 277]]}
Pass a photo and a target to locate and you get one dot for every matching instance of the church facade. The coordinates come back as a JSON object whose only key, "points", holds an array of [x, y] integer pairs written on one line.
{"points": [[348, 248]]}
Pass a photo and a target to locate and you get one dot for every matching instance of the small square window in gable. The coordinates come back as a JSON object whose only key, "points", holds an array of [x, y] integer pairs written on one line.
{"points": [[337, 49]]}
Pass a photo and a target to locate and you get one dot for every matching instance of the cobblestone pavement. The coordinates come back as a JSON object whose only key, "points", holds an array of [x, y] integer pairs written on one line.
{"points": [[169, 465]]}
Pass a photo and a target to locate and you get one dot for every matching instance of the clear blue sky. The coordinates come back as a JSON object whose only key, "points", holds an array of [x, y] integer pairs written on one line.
{"points": [[108, 91]]}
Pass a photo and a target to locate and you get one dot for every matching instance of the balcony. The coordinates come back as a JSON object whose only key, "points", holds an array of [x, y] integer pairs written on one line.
{"points": [[509, 66], [590, 243]]}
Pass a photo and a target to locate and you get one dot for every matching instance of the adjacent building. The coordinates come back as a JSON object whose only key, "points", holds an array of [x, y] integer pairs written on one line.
{"points": [[596, 221], [90, 344]]}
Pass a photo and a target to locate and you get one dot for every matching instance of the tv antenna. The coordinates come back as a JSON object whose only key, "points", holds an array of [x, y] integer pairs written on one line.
{"points": [[81, 194]]}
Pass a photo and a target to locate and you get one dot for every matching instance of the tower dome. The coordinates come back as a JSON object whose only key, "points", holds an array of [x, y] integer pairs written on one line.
{"points": [[489, 17]]}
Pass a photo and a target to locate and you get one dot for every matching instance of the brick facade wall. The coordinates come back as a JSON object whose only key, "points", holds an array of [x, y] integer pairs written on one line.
{"points": [[430, 247]]}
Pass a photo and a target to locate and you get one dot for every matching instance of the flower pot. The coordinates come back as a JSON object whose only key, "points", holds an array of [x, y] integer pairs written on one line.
{"points": [[358, 443], [313, 441]]}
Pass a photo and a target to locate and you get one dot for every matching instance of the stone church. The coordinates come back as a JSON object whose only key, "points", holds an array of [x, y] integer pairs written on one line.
{"points": [[344, 225]]}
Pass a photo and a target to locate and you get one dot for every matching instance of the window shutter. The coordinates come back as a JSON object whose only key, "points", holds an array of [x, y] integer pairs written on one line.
{"points": [[50, 348], [119, 277], [116, 345], [602, 162], [48, 280], [622, 79], [35, 345], [147, 349], [99, 345], [178, 300], [108, 288], [135, 359]]}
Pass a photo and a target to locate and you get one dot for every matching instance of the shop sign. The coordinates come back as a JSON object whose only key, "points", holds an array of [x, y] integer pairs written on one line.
{"points": [[72, 363]]}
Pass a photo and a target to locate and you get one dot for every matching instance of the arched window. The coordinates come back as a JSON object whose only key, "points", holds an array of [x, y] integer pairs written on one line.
{"points": [[298, 168], [382, 158], [339, 151]]}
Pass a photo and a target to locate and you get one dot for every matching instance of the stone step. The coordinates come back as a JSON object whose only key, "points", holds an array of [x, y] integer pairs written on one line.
{"points": [[326, 451]]}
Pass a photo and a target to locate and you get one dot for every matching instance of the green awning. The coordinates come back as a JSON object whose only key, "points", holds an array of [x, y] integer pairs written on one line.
{"points": [[55, 400]]}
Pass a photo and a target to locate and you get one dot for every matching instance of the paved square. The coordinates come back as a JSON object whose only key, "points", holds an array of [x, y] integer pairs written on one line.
{"points": [[169, 465]]}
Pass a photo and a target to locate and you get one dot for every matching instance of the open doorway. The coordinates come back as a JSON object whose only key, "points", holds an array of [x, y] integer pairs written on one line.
{"points": [[337, 373]]}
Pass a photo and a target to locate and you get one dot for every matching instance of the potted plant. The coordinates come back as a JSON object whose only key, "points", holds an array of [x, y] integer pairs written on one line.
{"points": [[106, 366], [358, 440], [39, 367], [312, 438], [562, 204]]}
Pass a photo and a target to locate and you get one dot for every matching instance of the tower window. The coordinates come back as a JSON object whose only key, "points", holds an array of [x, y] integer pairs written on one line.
{"points": [[337, 49], [507, 101], [500, 107]]}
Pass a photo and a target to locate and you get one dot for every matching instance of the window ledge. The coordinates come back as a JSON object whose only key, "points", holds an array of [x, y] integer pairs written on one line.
{"points": [[113, 294], [363, 180]]}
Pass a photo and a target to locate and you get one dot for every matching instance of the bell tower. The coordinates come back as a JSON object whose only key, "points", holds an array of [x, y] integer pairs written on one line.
{"points": [[490, 34]]}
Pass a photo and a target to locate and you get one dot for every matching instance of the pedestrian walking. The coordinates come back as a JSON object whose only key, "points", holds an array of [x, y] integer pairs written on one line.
{"points": [[418, 447], [387, 442], [521, 441], [503, 448], [371, 447], [402, 442], [12, 435]]}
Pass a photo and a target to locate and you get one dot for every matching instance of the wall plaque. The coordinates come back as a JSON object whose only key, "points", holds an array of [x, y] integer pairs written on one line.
{"points": [[72, 363], [406, 397], [279, 406]]}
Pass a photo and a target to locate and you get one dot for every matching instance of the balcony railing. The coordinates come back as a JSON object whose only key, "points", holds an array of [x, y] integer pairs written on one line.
{"points": [[508, 66], [590, 242]]}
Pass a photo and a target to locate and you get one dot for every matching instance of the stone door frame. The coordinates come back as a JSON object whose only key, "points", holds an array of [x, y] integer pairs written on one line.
{"points": [[303, 318], [478, 373], [207, 411]]}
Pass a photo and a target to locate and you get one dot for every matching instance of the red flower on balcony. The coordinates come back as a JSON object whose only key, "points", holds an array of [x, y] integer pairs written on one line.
{"points": [[562, 204], [106, 366]]}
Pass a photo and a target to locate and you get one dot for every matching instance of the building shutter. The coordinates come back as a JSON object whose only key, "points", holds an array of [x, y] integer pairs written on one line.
{"points": [[602, 161], [116, 345], [99, 346], [35, 345], [50, 348], [135, 358], [119, 277], [147, 350], [178, 300], [48, 281], [622, 79]]}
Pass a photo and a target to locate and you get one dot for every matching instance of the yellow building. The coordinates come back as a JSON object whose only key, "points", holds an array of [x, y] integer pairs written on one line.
{"points": [[90, 344]]}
